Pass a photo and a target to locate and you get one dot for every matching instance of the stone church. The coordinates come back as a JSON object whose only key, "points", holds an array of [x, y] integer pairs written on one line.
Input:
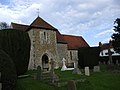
{"points": [[48, 43]]}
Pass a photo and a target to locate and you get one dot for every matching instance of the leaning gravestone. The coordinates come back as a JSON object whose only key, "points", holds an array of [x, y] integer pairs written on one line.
{"points": [[39, 73], [96, 69], [76, 69], [71, 85], [0, 82], [87, 72]]}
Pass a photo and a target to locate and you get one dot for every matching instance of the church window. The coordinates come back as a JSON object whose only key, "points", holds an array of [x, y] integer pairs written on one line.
{"points": [[70, 55], [45, 36]]}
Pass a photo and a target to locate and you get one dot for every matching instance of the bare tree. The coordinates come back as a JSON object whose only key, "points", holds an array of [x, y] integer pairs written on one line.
{"points": [[3, 25]]}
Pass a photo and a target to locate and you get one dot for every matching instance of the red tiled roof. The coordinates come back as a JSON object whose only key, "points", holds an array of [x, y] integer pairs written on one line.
{"points": [[60, 38], [40, 23], [75, 42], [19, 26]]}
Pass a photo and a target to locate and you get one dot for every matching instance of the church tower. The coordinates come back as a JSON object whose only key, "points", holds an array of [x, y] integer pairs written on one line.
{"points": [[43, 44]]}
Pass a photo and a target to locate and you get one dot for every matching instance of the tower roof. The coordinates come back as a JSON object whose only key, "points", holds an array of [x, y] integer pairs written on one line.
{"points": [[40, 23]]}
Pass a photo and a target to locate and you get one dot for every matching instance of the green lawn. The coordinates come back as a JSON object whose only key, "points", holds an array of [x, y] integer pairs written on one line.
{"points": [[104, 80]]}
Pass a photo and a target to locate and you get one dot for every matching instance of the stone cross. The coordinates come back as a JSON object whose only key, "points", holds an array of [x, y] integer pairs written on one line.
{"points": [[71, 85], [52, 66], [87, 72], [0, 82], [39, 73], [53, 76], [76, 69], [63, 65]]}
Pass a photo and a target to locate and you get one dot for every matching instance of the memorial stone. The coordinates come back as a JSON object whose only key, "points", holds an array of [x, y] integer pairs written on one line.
{"points": [[63, 65], [54, 78], [87, 72], [96, 69], [71, 85], [76, 69], [39, 73]]}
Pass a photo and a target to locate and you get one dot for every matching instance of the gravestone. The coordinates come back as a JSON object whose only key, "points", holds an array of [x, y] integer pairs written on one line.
{"points": [[76, 69], [63, 65], [87, 72], [53, 77], [71, 85], [39, 73], [0, 82], [96, 69], [117, 62]]}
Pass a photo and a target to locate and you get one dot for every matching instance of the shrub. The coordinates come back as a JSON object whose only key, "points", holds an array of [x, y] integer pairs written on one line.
{"points": [[16, 44], [8, 72], [88, 56]]}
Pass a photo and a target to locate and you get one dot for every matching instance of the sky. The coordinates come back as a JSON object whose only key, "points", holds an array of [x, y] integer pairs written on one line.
{"points": [[91, 19]]}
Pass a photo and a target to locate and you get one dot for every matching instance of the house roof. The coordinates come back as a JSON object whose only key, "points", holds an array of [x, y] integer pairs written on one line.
{"points": [[106, 46], [75, 42]]}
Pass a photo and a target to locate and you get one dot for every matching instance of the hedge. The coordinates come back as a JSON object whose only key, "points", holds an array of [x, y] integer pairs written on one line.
{"points": [[16, 44], [8, 72], [88, 56]]}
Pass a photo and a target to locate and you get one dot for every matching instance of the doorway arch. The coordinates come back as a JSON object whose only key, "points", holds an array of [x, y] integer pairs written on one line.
{"points": [[45, 62]]}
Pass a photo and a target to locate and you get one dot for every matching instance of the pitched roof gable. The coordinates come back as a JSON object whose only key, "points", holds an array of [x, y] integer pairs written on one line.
{"points": [[40, 23], [75, 42]]}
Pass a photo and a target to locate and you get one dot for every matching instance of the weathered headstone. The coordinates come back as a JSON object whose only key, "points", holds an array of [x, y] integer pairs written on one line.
{"points": [[96, 69], [53, 76], [63, 65], [76, 69], [0, 82], [52, 66], [117, 62], [71, 85], [87, 72], [39, 73]]}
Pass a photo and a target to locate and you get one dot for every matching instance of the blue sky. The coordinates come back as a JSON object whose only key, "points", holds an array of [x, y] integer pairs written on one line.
{"points": [[91, 19]]}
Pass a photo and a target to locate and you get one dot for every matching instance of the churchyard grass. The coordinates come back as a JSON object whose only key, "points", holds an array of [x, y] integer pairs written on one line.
{"points": [[104, 80]]}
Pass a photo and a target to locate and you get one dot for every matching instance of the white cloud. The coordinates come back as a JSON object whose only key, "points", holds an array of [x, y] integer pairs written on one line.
{"points": [[78, 17], [103, 33]]}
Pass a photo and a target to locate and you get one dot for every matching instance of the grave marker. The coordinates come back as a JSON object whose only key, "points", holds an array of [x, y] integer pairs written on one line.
{"points": [[87, 72], [71, 85], [63, 65], [76, 69], [53, 76], [96, 69], [39, 73]]}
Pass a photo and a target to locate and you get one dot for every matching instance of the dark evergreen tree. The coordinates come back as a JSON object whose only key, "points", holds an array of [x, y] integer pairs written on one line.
{"points": [[16, 44], [116, 36]]}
